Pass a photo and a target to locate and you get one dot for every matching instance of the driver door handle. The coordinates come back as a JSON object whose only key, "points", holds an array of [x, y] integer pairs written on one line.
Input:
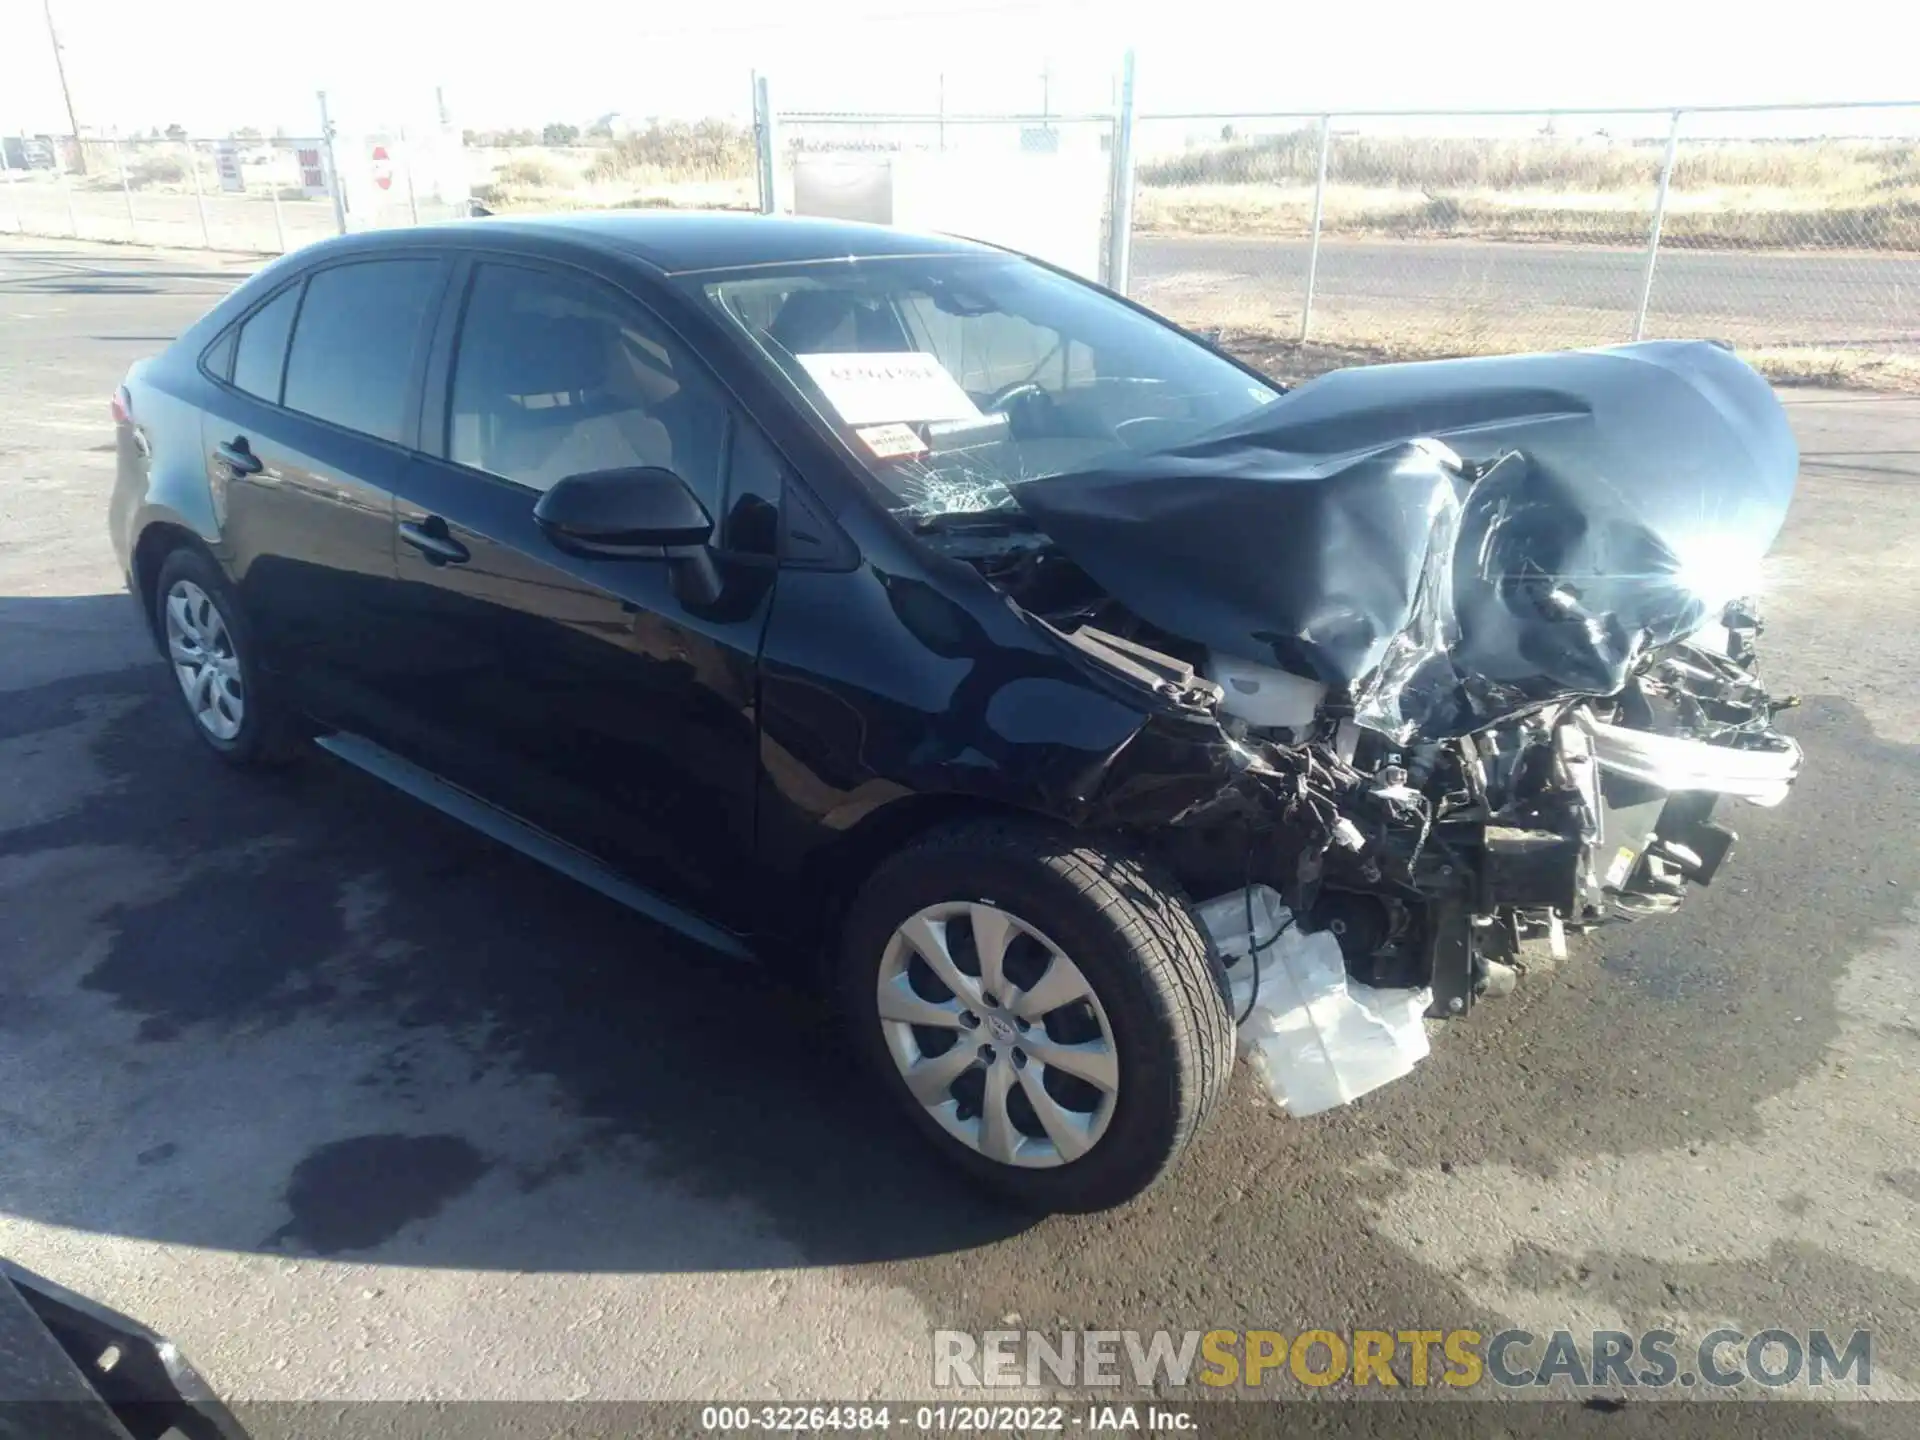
{"points": [[430, 538], [237, 455]]}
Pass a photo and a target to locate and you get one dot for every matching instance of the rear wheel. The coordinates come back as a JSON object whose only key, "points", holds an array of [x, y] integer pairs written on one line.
{"points": [[209, 649], [1046, 1010]]}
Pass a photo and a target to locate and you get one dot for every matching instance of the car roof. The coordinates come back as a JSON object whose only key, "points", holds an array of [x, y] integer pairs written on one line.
{"points": [[689, 241]]}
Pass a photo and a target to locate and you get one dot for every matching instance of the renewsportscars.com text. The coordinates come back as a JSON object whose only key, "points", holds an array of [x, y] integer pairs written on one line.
{"points": [[1410, 1359]]}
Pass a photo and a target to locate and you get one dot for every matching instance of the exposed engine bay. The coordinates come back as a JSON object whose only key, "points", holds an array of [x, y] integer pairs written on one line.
{"points": [[1473, 633]]}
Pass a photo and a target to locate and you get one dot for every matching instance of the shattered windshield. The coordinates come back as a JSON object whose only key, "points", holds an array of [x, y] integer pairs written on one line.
{"points": [[956, 377]]}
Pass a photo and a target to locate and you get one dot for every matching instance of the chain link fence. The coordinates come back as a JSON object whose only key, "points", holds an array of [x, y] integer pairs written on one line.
{"points": [[256, 195], [246, 195], [1805, 250], [1313, 239], [1310, 240], [1305, 239]]}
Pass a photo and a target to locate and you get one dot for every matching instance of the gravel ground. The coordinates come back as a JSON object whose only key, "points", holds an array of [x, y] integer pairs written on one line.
{"points": [[353, 1103]]}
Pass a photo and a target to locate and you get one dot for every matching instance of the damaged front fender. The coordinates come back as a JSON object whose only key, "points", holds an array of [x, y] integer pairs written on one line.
{"points": [[960, 696]]}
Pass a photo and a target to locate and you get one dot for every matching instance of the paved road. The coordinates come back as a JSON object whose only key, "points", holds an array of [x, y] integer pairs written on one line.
{"points": [[1838, 300], [355, 1103], [1364, 288]]}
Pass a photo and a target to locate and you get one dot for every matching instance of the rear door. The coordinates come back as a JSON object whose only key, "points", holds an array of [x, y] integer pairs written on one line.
{"points": [[610, 701], [306, 442]]}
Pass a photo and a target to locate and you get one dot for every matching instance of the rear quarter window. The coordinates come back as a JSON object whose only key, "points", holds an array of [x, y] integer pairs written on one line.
{"points": [[358, 342], [260, 356]]}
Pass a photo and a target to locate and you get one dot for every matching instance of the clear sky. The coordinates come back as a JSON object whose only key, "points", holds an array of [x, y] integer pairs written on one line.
{"points": [[214, 65]]}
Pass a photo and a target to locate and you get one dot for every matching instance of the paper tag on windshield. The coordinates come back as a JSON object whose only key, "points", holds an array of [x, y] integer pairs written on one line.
{"points": [[890, 442], [867, 389]]}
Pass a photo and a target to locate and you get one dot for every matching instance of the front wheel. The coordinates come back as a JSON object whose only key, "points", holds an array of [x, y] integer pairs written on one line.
{"points": [[1047, 1010]]}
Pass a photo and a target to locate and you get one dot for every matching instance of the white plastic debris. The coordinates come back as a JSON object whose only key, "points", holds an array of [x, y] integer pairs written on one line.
{"points": [[1315, 1037], [1262, 695]]}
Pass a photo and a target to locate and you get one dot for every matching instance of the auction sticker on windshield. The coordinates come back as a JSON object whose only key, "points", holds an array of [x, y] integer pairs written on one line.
{"points": [[892, 442], [870, 389]]}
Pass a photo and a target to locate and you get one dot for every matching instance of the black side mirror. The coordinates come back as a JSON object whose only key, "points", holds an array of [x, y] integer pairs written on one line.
{"points": [[623, 513]]}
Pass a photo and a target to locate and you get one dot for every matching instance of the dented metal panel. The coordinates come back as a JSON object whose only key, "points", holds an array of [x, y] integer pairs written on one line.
{"points": [[1611, 502]]}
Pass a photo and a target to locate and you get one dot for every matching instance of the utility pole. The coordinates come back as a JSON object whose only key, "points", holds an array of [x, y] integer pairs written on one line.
{"points": [[60, 68], [334, 182]]}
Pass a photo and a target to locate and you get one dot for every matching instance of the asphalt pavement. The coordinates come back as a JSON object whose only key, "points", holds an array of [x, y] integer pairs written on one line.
{"points": [[1364, 289], [1842, 299], [354, 1103]]}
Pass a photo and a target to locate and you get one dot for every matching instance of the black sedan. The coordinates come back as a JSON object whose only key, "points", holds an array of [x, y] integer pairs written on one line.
{"points": [[831, 591]]}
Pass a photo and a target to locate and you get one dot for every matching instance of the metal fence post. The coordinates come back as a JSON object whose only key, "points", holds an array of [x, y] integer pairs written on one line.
{"points": [[273, 189], [1120, 206], [1319, 213], [26, 172], [199, 196], [1653, 232], [126, 189], [406, 169], [763, 144], [13, 195]]}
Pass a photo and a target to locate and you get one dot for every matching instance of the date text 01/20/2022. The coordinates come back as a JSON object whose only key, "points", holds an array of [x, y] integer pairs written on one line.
{"points": [[945, 1419]]}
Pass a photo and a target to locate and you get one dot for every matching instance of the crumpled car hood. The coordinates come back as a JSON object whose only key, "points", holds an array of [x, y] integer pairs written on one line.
{"points": [[1632, 493]]}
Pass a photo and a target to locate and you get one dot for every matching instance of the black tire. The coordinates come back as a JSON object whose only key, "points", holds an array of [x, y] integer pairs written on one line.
{"points": [[1128, 929], [268, 736]]}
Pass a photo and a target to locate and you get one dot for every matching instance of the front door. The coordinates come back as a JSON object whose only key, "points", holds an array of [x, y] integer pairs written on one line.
{"points": [[608, 701]]}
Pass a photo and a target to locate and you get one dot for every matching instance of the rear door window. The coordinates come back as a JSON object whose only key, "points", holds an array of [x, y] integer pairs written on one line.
{"points": [[358, 342], [261, 354]]}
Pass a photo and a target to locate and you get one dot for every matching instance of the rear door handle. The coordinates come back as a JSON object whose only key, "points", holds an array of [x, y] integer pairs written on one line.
{"points": [[238, 456], [430, 538]]}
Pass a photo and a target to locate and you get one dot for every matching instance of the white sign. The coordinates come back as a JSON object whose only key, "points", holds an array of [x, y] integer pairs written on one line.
{"points": [[868, 389], [1046, 205], [226, 161], [313, 172]]}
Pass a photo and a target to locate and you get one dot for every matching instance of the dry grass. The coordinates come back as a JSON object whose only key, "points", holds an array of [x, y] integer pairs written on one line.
{"points": [[1853, 369], [1828, 194], [1892, 225], [1540, 163], [543, 178], [536, 172], [1801, 224], [1714, 220], [706, 166], [708, 150]]}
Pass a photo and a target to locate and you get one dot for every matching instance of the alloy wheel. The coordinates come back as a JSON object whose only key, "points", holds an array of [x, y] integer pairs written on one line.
{"points": [[998, 1034], [200, 645]]}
